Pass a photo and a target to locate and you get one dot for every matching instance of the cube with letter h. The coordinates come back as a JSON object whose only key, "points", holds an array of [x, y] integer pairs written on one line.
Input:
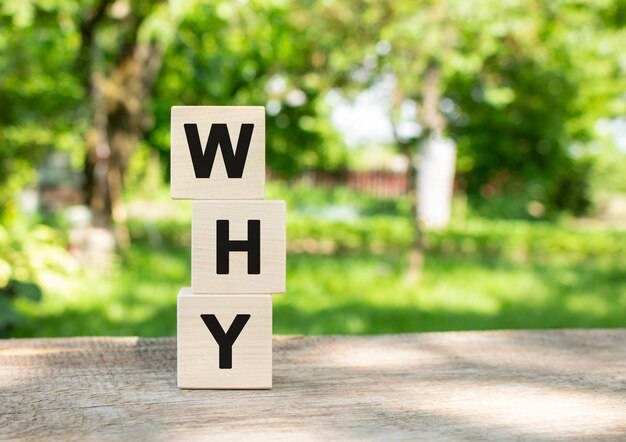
{"points": [[238, 247]]}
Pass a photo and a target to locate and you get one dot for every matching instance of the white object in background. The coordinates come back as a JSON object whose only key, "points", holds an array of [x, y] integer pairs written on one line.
{"points": [[28, 201], [435, 179]]}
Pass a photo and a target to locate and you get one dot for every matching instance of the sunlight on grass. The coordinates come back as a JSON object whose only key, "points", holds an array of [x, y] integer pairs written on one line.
{"points": [[353, 294]]}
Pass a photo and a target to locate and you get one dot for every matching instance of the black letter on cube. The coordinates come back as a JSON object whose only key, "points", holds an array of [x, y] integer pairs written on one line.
{"points": [[226, 340], [218, 136], [253, 246]]}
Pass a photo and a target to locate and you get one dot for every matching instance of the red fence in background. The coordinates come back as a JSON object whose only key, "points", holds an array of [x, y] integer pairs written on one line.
{"points": [[380, 183]]}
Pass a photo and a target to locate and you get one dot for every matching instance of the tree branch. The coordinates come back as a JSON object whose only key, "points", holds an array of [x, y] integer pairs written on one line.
{"points": [[432, 119], [87, 28]]}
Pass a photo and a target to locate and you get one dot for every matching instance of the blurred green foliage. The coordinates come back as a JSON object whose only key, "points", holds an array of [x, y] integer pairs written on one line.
{"points": [[523, 122], [489, 275], [29, 257], [252, 55], [362, 224], [367, 296], [521, 87], [346, 274], [521, 84]]}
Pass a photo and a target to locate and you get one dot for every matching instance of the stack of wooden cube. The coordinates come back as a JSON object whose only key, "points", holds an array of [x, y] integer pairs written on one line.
{"points": [[238, 247]]}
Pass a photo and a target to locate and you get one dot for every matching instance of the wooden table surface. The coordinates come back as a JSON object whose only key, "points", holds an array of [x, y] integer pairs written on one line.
{"points": [[502, 385]]}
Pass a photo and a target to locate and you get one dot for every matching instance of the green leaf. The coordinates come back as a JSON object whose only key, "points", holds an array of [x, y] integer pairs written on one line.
{"points": [[7, 314], [5, 272], [28, 290]]}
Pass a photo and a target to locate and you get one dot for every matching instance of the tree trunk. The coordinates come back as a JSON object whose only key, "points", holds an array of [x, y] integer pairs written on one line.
{"points": [[432, 121], [433, 124], [121, 117], [97, 158], [119, 105], [438, 157], [415, 257]]}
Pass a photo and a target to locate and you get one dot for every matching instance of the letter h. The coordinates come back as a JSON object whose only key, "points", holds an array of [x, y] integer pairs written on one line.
{"points": [[225, 245]]}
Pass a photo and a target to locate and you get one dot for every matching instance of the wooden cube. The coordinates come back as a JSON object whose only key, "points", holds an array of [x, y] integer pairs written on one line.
{"points": [[217, 152], [238, 247], [245, 321]]}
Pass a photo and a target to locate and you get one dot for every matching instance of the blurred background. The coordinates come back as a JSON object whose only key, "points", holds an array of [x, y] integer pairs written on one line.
{"points": [[447, 165]]}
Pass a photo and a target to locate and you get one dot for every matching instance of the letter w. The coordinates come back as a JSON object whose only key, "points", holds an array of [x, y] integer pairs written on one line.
{"points": [[218, 136]]}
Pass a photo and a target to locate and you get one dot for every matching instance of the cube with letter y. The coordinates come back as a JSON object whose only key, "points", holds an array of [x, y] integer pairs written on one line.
{"points": [[238, 247], [217, 152], [224, 341]]}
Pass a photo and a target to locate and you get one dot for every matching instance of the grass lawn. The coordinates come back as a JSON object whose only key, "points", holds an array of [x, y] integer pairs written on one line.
{"points": [[349, 294], [345, 273]]}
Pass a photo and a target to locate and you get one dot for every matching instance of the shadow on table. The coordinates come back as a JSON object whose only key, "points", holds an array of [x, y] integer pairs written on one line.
{"points": [[497, 385]]}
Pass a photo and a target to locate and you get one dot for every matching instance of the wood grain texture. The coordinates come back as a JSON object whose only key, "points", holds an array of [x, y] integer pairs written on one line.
{"points": [[504, 385], [198, 352], [204, 276], [185, 185]]}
